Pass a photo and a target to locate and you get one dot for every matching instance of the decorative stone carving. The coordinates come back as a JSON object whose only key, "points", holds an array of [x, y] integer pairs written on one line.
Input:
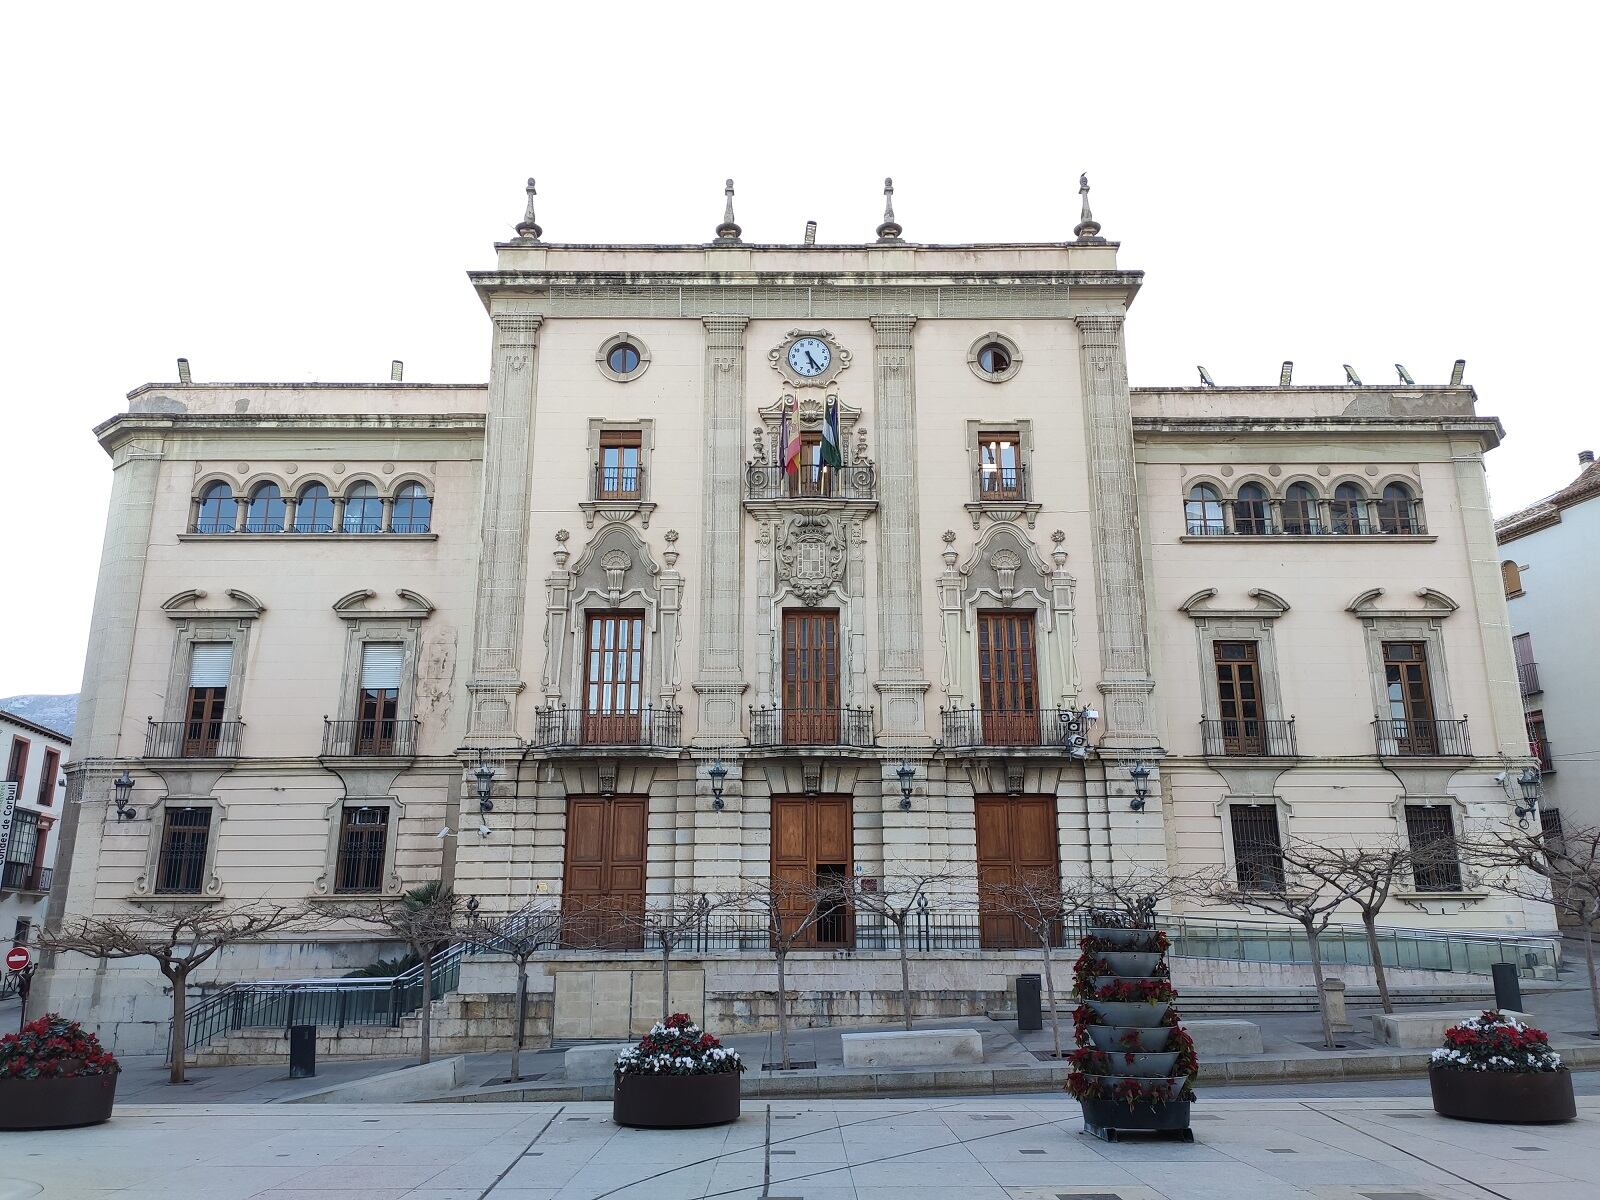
{"points": [[615, 564], [811, 556], [838, 361], [1006, 564]]}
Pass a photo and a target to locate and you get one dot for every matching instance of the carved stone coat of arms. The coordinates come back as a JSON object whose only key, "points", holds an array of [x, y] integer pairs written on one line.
{"points": [[811, 556]]}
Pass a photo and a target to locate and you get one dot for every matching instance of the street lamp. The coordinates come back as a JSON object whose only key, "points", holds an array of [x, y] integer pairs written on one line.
{"points": [[123, 784], [1528, 781], [483, 778], [905, 773], [717, 773], [1140, 774]]}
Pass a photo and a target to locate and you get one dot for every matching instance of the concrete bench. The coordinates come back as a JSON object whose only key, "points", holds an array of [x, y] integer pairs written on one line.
{"points": [[1423, 1029], [1225, 1039], [593, 1062], [913, 1048]]}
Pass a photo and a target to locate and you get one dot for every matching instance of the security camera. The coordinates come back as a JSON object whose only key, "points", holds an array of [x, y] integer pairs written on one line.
{"points": [[484, 831], [1500, 778], [443, 833]]}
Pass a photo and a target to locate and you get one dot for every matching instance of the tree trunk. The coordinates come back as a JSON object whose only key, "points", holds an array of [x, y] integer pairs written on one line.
{"points": [[1370, 920], [427, 1003], [666, 975], [783, 1017], [1588, 955], [905, 977], [1050, 993], [180, 1021], [522, 1011], [1315, 945]]}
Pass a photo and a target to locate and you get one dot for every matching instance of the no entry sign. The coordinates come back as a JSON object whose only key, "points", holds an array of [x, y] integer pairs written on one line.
{"points": [[18, 958]]}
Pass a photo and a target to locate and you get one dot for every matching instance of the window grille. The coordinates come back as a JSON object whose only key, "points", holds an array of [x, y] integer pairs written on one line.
{"points": [[184, 837], [1257, 847], [363, 840], [1436, 864]]}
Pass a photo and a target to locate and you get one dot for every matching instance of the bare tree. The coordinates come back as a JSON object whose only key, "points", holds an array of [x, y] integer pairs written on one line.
{"points": [[897, 902], [425, 919], [673, 921], [1561, 869], [180, 937], [519, 936], [1039, 904], [791, 909]]}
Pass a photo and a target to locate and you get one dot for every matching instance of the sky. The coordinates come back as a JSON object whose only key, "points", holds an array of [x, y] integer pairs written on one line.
{"points": [[296, 191]]}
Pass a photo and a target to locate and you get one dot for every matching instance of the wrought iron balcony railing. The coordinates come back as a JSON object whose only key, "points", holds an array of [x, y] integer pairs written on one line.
{"points": [[1062, 729], [616, 483], [1528, 677], [811, 727], [655, 728], [769, 481], [1542, 751], [369, 737], [1249, 737], [25, 877], [1000, 484], [192, 739], [1409, 738]]}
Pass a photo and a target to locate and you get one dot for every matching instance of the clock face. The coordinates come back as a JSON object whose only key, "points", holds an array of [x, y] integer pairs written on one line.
{"points": [[809, 357]]}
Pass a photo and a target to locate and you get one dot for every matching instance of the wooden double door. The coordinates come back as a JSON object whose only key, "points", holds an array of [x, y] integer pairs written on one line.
{"points": [[810, 677], [1017, 850], [1008, 678], [602, 892], [811, 850]]}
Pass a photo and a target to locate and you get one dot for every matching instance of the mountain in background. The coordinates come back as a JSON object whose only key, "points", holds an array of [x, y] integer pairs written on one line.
{"points": [[53, 712]]}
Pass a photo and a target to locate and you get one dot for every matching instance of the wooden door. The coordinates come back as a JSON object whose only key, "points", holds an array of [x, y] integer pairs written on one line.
{"points": [[1016, 844], [202, 732], [810, 677], [602, 892], [613, 678], [1410, 693], [1008, 689], [1239, 697], [812, 840]]}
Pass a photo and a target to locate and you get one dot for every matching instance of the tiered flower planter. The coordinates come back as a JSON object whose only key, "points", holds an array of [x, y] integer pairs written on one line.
{"points": [[1134, 1062]]}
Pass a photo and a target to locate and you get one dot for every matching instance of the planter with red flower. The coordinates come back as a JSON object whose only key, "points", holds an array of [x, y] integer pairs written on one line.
{"points": [[1495, 1068], [55, 1075], [677, 1077]]}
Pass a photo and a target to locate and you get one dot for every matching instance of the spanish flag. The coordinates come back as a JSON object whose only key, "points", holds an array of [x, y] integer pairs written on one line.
{"points": [[790, 437]]}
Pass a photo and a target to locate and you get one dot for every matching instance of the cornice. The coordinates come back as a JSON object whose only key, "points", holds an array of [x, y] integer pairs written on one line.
{"points": [[113, 432], [1487, 429]]}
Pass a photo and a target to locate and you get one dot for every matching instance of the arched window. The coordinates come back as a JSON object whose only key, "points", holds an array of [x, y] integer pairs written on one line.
{"points": [[1250, 510], [313, 511], [363, 510], [1203, 512], [1511, 576], [266, 511], [1348, 509], [1300, 510], [218, 510], [413, 511], [1397, 511]]}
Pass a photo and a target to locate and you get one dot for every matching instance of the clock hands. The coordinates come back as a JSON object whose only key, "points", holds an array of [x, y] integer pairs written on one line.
{"points": [[816, 365]]}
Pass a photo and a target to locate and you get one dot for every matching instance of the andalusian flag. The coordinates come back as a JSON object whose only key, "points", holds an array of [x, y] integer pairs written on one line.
{"points": [[832, 452], [790, 437]]}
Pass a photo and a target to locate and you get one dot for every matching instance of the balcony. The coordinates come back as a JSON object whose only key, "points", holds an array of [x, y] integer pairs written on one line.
{"points": [[369, 738], [25, 877], [1541, 750], [576, 729], [811, 727], [1062, 730], [1004, 493], [769, 481], [1400, 738], [192, 739], [1528, 678], [616, 493], [1249, 738]]}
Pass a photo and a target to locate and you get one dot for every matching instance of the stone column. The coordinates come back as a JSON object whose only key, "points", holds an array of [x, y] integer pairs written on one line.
{"points": [[503, 541], [902, 678], [1119, 560], [720, 681]]}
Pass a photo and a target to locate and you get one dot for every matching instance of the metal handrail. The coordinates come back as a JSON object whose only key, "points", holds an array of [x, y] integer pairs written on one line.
{"points": [[1408, 737], [1001, 485], [1055, 728], [369, 737], [1248, 737], [769, 481], [843, 726], [192, 739], [661, 728]]}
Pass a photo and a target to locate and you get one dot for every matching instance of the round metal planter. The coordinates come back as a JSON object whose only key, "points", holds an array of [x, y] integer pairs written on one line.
{"points": [[1509, 1097], [1109, 1037], [675, 1101], [1104, 1118], [1123, 939], [56, 1103], [1144, 1014]]}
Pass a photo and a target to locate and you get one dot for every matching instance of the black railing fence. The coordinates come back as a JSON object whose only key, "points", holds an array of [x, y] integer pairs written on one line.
{"points": [[660, 728], [811, 727], [1248, 737], [369, 736], [769, 481], [1400, 738], [1000, 483], [1056, 728], [192, 739]]}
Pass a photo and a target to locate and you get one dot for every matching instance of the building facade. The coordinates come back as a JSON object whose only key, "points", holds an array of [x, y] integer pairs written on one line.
{"points": [[878, 530], [30, 805], [1549, 570]]}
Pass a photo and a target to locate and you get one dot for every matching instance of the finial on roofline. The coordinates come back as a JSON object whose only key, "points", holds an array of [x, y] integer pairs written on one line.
{"points": [[528, 229], [890, 230], [729, 230], [1087, 228]]}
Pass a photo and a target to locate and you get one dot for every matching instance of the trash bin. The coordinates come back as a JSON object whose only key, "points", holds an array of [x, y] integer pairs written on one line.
{"points": [[1030, 1013], [1507, 987], [302, 1051]]}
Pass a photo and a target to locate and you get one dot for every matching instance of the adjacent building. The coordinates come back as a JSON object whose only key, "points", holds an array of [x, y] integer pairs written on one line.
{"points": [[30, 805], [782, 560]]}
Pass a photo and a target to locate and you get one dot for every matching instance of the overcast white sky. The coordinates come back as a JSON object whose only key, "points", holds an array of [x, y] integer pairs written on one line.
{"points": [[294, 191]]}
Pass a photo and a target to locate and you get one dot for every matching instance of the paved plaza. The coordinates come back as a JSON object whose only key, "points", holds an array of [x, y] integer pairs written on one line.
{"points": [[1346, 1148]]}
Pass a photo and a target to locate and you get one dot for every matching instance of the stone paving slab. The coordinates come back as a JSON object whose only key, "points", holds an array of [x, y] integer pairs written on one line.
{"points": [[1345, 1148]]}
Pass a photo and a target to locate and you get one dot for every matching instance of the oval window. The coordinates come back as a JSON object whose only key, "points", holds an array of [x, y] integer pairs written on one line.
{"points": [[993, 359], [623, 359]]}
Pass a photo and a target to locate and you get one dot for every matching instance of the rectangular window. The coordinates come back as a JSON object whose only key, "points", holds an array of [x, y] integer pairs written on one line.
{"points": [[1538, 743], [1257, 848], [1527, 669], [613, 683], [181, 868], [1239, 698], [17, 764], [47, 777], [21, 931], [377, 708], [22, 851], [1008, 691], [620, 476], [210, 665], [1436, 864], [810, 676], [816, 477], [1410, 697], [363, 842], [999, 466]]}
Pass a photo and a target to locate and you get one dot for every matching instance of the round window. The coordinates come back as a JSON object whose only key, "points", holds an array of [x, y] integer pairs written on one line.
{"points": [[624, 358], [993, 359]]}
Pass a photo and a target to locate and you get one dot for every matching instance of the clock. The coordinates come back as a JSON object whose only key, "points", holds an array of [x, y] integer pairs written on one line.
{"points": [[809, 357]]}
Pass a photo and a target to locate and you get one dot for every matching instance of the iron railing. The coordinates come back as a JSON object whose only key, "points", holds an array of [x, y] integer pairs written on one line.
{"points": [[192, 739], [769, 481], [1249, 737], [1528, 677], [25, 877], [1000, 484], [369, 737], [1049, 728], [1412, 738], [1199, 523], [657, 728], [1546, 756], [811, 727], [616, 483]]}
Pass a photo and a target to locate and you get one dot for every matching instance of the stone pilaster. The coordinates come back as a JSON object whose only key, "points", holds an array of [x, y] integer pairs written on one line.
{"points": [[1119, 561], [719, 680], [902, 683], [503, 543]]}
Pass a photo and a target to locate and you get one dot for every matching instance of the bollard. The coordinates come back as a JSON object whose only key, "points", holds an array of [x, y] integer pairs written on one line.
{"points": [[1507, 987], [302, 1051], [1030, 1013], [1333, 989]]}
